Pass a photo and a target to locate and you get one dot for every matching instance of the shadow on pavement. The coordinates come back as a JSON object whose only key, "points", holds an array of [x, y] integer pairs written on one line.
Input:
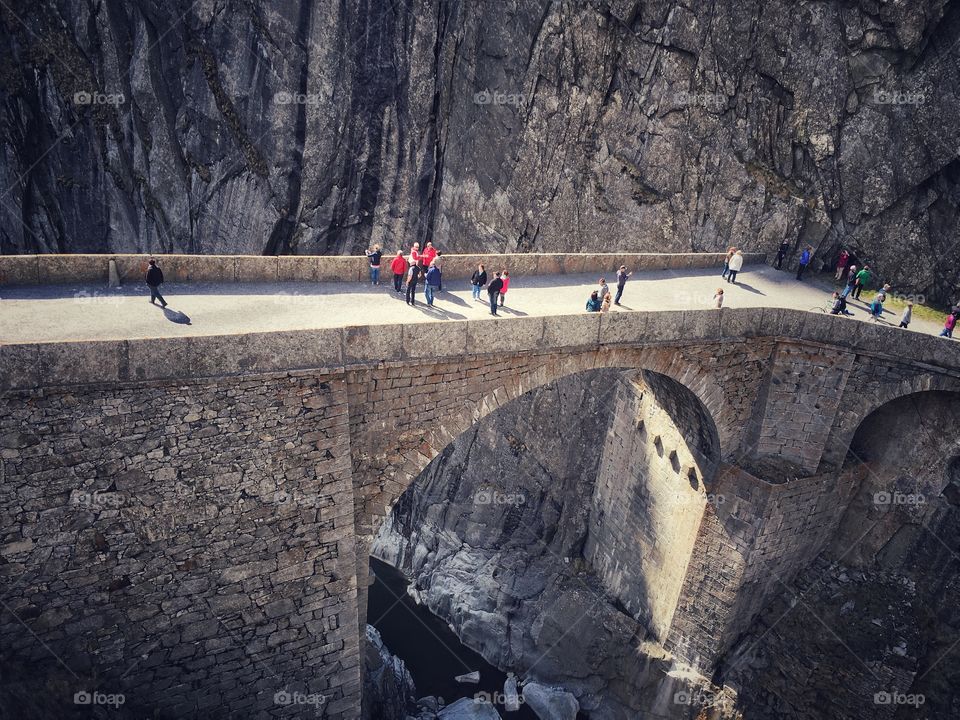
{"points": [[434, 311], [175, 316], [511, 311], [749, 288], [453, 299]]}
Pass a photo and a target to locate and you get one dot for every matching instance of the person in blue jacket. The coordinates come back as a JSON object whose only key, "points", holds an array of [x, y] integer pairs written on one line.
{"points": [[804, 261]]}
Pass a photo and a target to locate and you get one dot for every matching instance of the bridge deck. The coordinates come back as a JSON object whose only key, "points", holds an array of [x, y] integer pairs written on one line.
{"points": [[67, 313]]}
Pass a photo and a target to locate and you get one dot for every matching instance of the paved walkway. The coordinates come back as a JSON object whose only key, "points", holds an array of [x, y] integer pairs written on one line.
{"points": [[59, 313]]}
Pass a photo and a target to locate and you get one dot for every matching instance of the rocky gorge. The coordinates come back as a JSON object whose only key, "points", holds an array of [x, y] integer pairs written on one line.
{"points": [[319, 127]]}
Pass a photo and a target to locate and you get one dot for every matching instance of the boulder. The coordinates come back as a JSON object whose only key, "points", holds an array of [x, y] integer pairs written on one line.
{"points": [[550, 703], [469, 709]]}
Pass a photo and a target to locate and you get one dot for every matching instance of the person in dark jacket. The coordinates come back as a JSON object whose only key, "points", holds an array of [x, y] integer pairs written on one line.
{"points": [[478, 280], [782, 253], [839, 304], [805, 257], [413, 277], [154, 281], [432, 281], [494, 292]]}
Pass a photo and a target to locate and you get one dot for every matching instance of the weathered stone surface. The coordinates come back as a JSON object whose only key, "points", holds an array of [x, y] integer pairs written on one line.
{"points": [[550, 703]]}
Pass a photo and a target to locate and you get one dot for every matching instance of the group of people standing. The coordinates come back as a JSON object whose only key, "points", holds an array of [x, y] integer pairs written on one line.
{"points": [[496, 290], [600, 300]]}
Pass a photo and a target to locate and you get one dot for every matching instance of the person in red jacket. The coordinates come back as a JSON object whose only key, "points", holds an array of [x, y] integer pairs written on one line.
{"points": [[414, 254], [842, 263], [428, 255], [399, 267], [505, 276]]}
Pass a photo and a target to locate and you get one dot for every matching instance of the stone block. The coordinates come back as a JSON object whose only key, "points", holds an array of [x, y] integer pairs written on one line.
{"points": [[741, 322], [791, 322], [343, 269], [132, 269], [701, 324], [572, 330], [550, 265], [576, 264], [72, 269], [460, 267], [19, 270], [519, 265], [201, 268], [159, 358], [434, 339], [508, 335], [298, 268], [83, 362], [618, 328], [19, 366], [256, 269], [369, 344], [665, 326]]}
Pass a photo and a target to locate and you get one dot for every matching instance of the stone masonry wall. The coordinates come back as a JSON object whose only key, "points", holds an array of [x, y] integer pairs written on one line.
{"points": [[646, 508], [190, 544]]}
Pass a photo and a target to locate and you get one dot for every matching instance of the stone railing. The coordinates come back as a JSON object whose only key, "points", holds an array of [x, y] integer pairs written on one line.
{"points": [[335, 349], [94, 269]]}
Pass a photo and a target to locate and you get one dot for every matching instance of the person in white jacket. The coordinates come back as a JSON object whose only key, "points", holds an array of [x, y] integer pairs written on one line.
{"points": [[736, 264]]}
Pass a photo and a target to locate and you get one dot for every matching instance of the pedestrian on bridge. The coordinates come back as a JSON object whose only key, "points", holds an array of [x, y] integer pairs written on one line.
{"points": [[907, 315], [594, 304], [782, 253], [949, 325], [494, 292], [374, 255], [399, 267], [851, 282], [432, 281], [622, 276], [726, 261], [718, 299], [605, 303], [735, 265], [861, 281], [154, 281], [805, 258], [429, 254], [505, 276], [604, 289], [478, 280], [414, 253], [438, 261], [413, 277], [842, 262]]}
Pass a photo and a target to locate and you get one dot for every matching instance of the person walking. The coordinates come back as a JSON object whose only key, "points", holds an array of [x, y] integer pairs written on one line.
{"points": [[907, 315], [432, 281], [876, 307], [622, 276], [494, 292], [782, 253], [399, 267], [949, 325], [842, 262], [478, 280], [736, 265], [594, 304], [374, 255], [505, 276], [154, 281], [726, 262], [805, 258], [851, 282], [861, 281], [718, 299], [413, 277]]}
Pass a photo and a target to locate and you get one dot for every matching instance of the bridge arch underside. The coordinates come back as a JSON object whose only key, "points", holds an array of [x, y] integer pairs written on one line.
{"points": [[577, 502]]}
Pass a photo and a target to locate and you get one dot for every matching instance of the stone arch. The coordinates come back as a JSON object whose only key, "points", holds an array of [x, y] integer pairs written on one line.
{"points": [[662, 361], [875, 395]]}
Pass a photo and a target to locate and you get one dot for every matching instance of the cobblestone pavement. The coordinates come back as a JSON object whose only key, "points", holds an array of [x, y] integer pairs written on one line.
{"points": [[58, 313]]}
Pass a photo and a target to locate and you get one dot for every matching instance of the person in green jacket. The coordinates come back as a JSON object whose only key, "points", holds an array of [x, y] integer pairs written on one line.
{"points": [[863, 279]]}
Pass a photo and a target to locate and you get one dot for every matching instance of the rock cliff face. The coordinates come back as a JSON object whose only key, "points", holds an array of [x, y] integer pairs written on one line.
{"points": [[319, 126]]}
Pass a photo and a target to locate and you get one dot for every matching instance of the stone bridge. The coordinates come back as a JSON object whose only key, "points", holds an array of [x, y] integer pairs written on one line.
{"points": [[189, 519]]}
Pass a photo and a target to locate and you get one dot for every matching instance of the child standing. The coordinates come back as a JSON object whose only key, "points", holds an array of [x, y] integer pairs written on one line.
{"points": [[505, 276], [718, 298]]}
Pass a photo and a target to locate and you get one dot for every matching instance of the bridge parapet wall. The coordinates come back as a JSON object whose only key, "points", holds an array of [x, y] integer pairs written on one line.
{"points": [[75, 269]]}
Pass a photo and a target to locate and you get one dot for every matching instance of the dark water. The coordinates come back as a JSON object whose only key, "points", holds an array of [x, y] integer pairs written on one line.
{"points": [[433, 653]]}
